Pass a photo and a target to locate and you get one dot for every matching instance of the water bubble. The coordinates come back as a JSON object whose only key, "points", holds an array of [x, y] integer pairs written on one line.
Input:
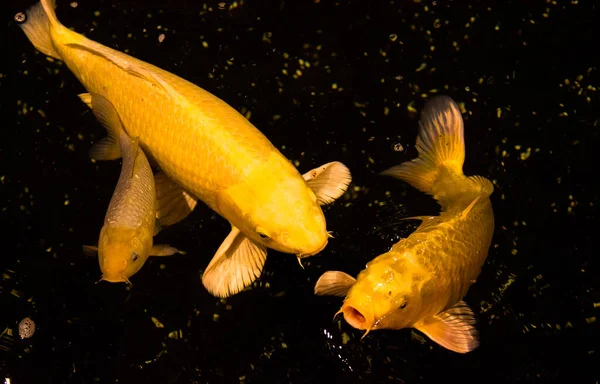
{"points": [[20, 17], [398, 147]]}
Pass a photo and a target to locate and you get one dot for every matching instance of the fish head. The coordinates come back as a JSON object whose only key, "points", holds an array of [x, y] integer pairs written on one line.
{"points": [[122, 252], [279, 213], [385, 296]]}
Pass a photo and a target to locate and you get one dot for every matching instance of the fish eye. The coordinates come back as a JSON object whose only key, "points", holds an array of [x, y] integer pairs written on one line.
{"points": [[134, 256], [263, 236], [403, 305]]}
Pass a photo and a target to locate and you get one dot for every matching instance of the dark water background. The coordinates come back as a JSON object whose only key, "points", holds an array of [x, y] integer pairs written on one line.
{"points": [[527, 75]]}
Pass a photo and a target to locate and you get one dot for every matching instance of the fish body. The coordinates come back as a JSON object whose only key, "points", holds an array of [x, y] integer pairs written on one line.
{"points": [[421, 281], [126, 238], [205, 150]]}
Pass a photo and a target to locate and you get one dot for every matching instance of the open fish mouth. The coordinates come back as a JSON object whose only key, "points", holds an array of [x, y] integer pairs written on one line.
{"points": [[357, 318]]}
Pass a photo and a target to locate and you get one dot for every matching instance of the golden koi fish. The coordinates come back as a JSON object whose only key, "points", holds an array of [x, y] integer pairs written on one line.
{"points": [[421, 281], [205, 150], [130, 223]]}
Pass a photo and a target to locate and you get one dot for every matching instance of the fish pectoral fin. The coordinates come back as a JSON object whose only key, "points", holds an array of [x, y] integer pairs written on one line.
{"points": [[236, 264], [164, 250], [107, 148], [334, 283], [453, 329], [157, 228], [90, 250], [174, 204], [329, 181]]}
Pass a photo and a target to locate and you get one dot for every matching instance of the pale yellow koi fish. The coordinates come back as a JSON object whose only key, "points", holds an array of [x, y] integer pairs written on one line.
{"points": [[205, 150]]}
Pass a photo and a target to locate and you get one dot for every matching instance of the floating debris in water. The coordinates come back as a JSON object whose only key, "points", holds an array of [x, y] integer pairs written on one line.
{"points": [[26, 328], [157, 323], [398, 147]]}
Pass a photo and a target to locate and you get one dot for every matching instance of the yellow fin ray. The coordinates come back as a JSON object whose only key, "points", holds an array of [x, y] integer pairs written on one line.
{"points": [[453, 329], [163, 250], [90, 250], [334, 283], [236, 264], [329, 181], [128, 65]]}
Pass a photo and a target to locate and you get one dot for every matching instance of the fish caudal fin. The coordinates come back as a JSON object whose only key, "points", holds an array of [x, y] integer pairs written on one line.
{"points": [[40, 18], [334, 283], [109, 147], [441, 148], [236, 264], [453, 329], [329, 181]]}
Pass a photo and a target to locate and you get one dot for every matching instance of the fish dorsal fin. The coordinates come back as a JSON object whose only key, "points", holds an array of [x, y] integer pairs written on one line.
{"points": [[334, 283], [236, 264], [107, 148], [453, 329], [130, 65], [163, 250], [466, 211], [328, 181], [174, 204], [135, 151], [90, 250]]}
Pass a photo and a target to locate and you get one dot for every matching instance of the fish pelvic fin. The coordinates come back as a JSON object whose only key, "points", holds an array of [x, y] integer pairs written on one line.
{"points": [[237, 263], [109, 147], [90, 250], [164, 250], [174, 204], [453, 329], [334, 283], [40, 18], [329, 181]]}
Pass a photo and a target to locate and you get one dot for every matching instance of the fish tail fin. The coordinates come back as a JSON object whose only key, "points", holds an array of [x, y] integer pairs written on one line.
{"points": [[40, 18], [438, 171], [109, 148]]}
